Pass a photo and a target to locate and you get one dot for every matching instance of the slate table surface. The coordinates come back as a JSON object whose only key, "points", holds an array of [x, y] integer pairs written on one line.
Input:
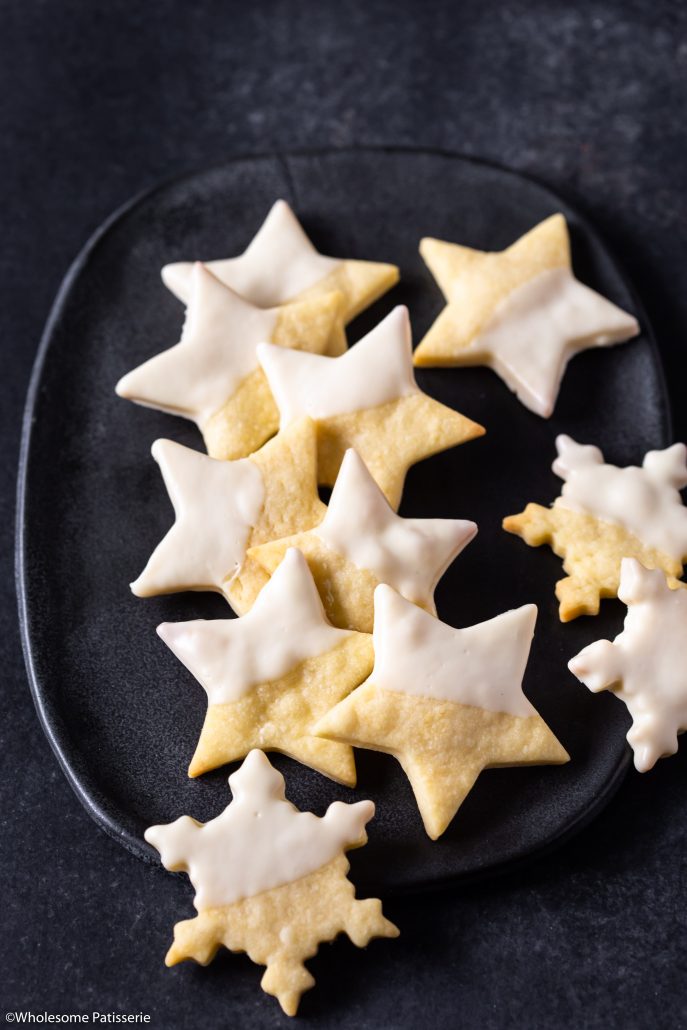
{"points": [[98, 101]]}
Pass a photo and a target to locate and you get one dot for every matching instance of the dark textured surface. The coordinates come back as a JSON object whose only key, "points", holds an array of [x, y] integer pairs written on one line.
{"points": [[113, 697], [102, 101]]}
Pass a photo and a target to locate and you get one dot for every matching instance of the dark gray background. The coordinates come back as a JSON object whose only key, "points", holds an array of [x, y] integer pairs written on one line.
{"points": [[99, 102]]}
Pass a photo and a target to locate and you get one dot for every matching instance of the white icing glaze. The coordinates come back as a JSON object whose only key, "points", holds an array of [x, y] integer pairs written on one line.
{"points": [[376, 370], [279, 263], [482, 665], [217, 350], [540, 325], [260, 840], [216, 503], [409, 554], [643, 500], [646, 665], [285, 626]]}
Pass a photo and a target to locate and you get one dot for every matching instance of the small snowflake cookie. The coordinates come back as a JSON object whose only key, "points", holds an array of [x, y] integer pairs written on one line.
{"points": [[212, 376], [521, 311], [222, 508], [367, 399], [269, 880], [605, 514], [646, 664], [270, 675], [281, 265], [445, 702], [361, 542]]}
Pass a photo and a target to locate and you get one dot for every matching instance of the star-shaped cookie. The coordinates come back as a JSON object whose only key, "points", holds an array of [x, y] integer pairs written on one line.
{"points": [[224, 507], [521, 311], [361, 542], [605, 514], [646, 665], [212, 375], [445, 702], [281, 264], [270, 675], [269, 880], [366, 399]]}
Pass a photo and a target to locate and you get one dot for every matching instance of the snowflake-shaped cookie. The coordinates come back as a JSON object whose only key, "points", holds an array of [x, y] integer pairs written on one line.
{"points": [[604, 514], [646, 664], [269, 880]]}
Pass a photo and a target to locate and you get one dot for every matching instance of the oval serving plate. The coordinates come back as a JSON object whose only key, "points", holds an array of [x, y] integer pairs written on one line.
{"points": [[121, 714]]}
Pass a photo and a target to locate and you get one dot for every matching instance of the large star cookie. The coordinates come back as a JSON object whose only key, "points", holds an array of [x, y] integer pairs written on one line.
{"points": [[520, 311], [270, 675], [269, 880], [646, 665], [212, 375], [605, 514], [445, 702], [224, 507], [361, 543], [366, 399], [281, 264]]}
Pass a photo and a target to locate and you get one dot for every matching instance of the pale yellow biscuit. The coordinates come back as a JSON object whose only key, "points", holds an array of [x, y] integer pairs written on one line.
{"points": [[288, 464], [442, 746], [269, 880], [474, 282], [592, 551], [347, 591], [360, 282], [250, 416], [283, 927], [390, 438], [279, 715], [445, 702]]}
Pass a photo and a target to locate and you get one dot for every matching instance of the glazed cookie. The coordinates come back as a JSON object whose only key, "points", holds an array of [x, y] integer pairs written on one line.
{"points": [[270, 675], [281, 265], [222, 508], [520, 311], [361, 543], [212, 375], [646, 665], [445, 702], [366, 399], [269, 880], [605, 514]]}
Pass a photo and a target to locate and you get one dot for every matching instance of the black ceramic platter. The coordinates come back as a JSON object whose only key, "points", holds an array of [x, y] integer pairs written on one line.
{"points": [[121, 713]]}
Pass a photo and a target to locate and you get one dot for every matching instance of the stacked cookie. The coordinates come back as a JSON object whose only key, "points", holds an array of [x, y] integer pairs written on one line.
{"points": [[337, 644]]}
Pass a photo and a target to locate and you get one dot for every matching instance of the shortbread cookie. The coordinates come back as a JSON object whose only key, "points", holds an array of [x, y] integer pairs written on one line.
{"points": [[646, 665], [605, 514], [361, 543], [521, 311], [270, 675], [445, 702], [281, 265], [366, 399], [213, 377], [224, 507], [269, 880]]}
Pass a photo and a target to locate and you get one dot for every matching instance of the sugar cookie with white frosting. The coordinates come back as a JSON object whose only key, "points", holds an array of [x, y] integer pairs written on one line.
{"points": [[447, 703], [212, 376], [224, 507], [521, 311], [646, 664], [271, 674], [367, 399], [281, 265], [604, 514], [361, 542], [269, 880]]}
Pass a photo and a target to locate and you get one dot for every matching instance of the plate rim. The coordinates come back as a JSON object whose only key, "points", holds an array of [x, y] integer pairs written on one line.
{"points": [[69, 767]]}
